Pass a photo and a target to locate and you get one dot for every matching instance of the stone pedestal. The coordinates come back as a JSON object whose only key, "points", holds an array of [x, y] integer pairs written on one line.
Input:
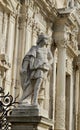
{"points": [[29, 118]]}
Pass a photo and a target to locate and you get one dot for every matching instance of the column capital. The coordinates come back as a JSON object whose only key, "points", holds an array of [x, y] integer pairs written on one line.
{"points": [[60, 38]]}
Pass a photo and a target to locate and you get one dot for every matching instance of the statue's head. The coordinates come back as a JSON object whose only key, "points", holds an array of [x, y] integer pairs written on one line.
{"points": [[42, 38]]}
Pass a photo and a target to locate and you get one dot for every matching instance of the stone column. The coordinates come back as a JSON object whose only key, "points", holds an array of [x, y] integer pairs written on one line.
{"points": [[1, 23], [71, 116], [78, 110], [54, 84], [60, 38], [22, 30], [21, 45], [14, 64], [60, 88]]}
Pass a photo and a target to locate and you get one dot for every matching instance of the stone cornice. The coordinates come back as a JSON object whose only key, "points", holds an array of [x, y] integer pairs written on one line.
{"points": [[47, 9], [72, 21], [72, 14], [9, 5]]}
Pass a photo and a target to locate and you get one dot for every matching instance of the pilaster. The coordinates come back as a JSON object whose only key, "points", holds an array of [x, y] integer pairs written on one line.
{"points": [[22, 20], [10, 49], [15, 55]]}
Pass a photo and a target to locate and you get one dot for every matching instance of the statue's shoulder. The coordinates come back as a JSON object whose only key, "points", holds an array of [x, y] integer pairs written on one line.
{"points": [[33, 48], [32, 51]]}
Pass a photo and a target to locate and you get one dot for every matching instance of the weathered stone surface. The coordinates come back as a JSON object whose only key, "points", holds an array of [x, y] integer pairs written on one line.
{"points": [[36, 66], [29, 111], [26, 111], [20, 23], [29, 118], [30, 123]]}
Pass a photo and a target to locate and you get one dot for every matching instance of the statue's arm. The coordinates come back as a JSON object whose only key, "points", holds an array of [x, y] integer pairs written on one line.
{"points": [[25, 65], [28, 60], [32, 59]]}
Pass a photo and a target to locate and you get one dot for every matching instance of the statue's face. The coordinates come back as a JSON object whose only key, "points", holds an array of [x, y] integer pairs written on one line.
{"points": [[43, 43]]}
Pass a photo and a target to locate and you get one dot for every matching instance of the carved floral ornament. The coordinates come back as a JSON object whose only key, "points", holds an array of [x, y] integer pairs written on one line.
{"points": [[2, 44], [4, 60], [72, 37], [74, 29]]}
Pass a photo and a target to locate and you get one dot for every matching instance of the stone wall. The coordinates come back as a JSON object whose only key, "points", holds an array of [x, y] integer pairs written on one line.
{"points": [[20, 23]]}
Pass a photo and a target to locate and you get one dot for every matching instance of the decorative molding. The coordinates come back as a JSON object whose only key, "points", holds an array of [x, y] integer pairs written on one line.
{"points": [[9, 5], [72, 23], [49, 11], [72, 36]]}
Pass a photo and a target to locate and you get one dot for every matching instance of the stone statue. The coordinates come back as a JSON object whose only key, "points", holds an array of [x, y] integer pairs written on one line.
{"points": [[36, 66]]}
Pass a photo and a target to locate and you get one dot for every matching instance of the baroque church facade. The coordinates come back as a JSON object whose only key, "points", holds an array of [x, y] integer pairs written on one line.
{"points": [[20, 23]]}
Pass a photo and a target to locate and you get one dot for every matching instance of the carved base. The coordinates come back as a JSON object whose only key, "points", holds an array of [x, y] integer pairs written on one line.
{"points": [[30, 110], [29, 118]]}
